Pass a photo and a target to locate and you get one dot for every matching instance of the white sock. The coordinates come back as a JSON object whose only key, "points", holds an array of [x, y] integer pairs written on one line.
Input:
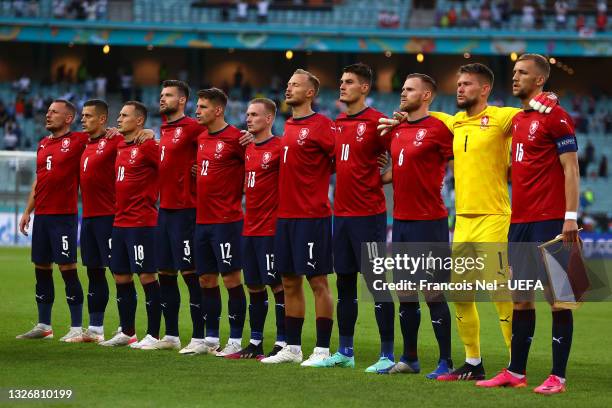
{"points": [[321, 350], [561, 379], [196, 340], [235, 341], [255, 342], [76, 328], [44, 326], [281, 343], [295, 349], [473, 361], [96, 329], [516, 375], [214, 340]]}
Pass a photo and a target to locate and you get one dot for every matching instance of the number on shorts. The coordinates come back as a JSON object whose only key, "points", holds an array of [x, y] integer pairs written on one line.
{"points": [[64, 242], [372, 250], [110, 243], [225, 250], [269, 262], [187, 248], [138, 252], [310, 248]]}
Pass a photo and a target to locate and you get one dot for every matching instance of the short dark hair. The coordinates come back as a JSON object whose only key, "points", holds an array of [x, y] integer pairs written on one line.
{"points": [[215, 95], [99, 104], [363, 71], [69, 105], [139, 107], [427, 80], [180, 85], [478, 69], [314, 81], [268, 104], [540, 61]]}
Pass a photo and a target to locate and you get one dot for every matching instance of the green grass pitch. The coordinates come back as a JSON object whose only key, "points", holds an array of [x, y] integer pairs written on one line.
{"points": [[103, 377]]}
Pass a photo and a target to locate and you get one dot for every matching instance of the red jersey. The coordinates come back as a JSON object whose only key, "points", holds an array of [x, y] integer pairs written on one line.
{"points": [[57, 173], [178, 147], [220, 177], [97, 176], [538, 180], [261, 187], [359, 189], [420, 151], [136, 184], [305, 167]]}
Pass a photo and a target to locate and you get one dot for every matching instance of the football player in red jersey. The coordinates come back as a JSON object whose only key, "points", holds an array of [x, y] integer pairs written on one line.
{"points": [[420, 149], [54, 234], [262, 159], [97, 183], [176, 223], [303, 230], [133, 236], [360, 211], [218, 231], [545, 189]]}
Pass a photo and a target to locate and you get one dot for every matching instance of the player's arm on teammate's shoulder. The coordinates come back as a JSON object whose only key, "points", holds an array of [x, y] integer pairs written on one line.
{"points": [[24, 222], [387, 176], [246, 138], [143, 135], [448, 120], [569, 162]]}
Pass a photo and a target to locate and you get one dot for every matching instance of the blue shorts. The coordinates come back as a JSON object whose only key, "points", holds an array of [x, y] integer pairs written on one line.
{"points": [[133, 250], [258, 261], [303, 246], [174, 241], [217, 248], [96, 233], [426, 238], [349, 234], [420, 230], [54, 239], [524, 256]]}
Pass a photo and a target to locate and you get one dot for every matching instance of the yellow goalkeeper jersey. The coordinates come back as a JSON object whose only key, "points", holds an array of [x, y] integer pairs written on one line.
{"points": [[481, 149]]}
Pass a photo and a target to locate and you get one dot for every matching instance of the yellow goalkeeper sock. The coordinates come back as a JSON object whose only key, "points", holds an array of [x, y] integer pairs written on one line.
{"points": [[468, 325], [504, 311]]}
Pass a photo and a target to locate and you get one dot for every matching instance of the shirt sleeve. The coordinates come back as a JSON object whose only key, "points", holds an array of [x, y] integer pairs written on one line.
{"points": [[561, 130], [151, 152], [326, 138], [445, 142], [505, 119], [447, 119]]}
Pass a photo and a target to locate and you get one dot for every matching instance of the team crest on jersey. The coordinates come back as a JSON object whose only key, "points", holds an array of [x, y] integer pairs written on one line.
{"points": [[533, 128], [133, 154], [177, 134], [484, 122], [265, 160], [101, 145], [219, 149], [65, 145], [420, 135], [303, 135], [361, 128]]}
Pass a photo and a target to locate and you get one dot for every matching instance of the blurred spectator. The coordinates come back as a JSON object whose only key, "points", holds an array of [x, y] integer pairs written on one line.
{"points": [[19, 108], [464, 17], [580, 22], [238, 77], [589, 153], [603, 167], [101, 7], [126, 86], [262, 10], [90, 9], [388, 19], [33, 8], [19, 8], [5, 116], [101, 87], [485, 16], [587, 198], [452, 17], [601, 21], [59, 8], [474, 12], [241, 10], [561, 9], [528, 19], [11, 135], [496, 15]]}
